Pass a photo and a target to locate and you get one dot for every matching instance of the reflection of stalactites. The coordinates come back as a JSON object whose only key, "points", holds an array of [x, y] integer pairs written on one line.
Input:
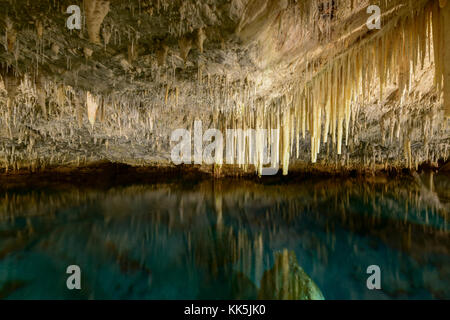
{"points": [[431, 181], [218, 200], [287, 281], [259, 255]]}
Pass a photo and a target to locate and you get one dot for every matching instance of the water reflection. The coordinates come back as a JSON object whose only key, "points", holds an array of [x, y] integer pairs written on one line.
{"points": [[228, 239]]}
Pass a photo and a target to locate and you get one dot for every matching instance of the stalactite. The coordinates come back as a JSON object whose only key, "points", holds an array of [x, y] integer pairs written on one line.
{"points": [[39, 29], [11, 35], [324, 105], [96, 11], [60, 96], [285, 140], [200, 37], [92, 106], [132, 51], [445, 8], [166, 96], [185, 44], [106, 34], [161, 54], [41, 95], [87, 52], [408, 154], [328, 98]]}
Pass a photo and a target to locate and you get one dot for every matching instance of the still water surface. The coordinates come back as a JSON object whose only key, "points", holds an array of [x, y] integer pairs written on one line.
{"points": [[215, 240]]}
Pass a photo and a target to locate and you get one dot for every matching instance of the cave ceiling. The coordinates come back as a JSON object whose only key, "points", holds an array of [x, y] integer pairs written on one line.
{"points": [[340, 92]]}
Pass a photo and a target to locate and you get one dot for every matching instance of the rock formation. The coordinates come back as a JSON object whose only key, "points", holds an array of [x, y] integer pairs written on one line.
{"points": [[340, 94], [287, 281]]}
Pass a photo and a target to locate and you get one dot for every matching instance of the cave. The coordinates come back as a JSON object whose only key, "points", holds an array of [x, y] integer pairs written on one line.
{"points": [[225, 149]]}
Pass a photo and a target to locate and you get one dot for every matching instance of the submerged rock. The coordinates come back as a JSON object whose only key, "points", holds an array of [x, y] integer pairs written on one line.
{"points": [[288, 281], [10, 287]]}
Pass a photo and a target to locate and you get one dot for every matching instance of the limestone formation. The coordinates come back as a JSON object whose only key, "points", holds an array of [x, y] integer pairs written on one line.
{"points": [[96, 11], [288, 281], [92, 106], [161, 54], [185, 45], [200, 38], [326, 90]]}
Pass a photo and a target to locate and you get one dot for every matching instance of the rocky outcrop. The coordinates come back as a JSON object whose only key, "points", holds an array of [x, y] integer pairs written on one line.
{"points": [[288, 281]]}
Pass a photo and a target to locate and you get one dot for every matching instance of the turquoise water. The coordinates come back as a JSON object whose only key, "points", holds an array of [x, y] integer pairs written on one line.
{"points": [[215, 240]]}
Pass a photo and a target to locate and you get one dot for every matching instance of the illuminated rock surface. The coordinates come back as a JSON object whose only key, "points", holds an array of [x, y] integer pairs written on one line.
{"points": [[287, 281], [342, 95]]}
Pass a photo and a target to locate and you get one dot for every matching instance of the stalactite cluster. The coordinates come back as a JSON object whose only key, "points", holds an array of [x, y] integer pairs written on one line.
{"points": [[326, 100], [441, 41], [320, 114], [96, 11]]}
